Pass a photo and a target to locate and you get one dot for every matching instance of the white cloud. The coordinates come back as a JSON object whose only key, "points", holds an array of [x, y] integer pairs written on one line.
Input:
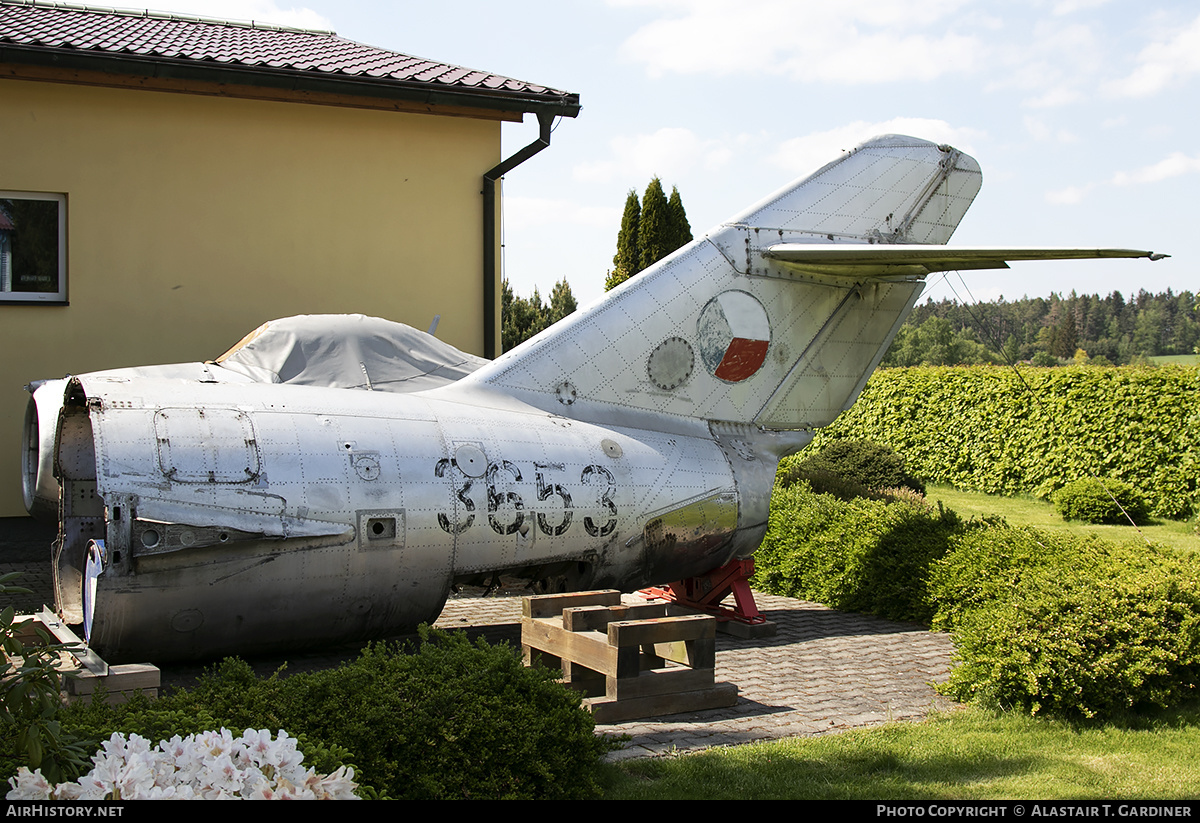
{"points": [[668, 153], [1040, 131], [1071, 6], [1174, 165], [1070, 196], [1162, 63], [808, 153], [867, 42], [521, 213], [262, 11], [1055, 63]]}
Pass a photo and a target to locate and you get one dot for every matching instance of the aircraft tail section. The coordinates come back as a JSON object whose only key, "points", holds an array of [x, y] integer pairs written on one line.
{"points": [[726, 330]]}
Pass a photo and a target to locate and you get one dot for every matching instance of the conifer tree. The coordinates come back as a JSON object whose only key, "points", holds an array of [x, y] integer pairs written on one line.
{"points": [[680, 230], [649, 232], [520, 318], [562, 302], [654, 235], [626, 262]]}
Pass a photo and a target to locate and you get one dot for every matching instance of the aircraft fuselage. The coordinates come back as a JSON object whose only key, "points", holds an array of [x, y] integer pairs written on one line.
{"points": [[286, 510]]}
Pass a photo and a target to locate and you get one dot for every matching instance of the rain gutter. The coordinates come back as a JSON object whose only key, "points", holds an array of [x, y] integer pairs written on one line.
{"points": [[490, 229]]}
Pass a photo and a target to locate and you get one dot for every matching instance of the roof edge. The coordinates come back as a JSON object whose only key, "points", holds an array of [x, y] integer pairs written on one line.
{"points": [[133, 65]]}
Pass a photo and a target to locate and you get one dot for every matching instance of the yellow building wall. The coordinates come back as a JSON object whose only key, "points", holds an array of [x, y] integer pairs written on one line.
{"points": [[194, 219]]}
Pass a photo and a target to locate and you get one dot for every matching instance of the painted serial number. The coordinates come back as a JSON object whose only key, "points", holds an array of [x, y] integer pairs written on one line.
{"points": [[500, 475]]}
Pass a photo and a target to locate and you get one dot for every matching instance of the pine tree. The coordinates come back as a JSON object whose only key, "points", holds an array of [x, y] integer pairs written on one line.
{"points": [[654, 230], [681, 231], [649, 232], [520, 319], [626, 260], [562, 302]]}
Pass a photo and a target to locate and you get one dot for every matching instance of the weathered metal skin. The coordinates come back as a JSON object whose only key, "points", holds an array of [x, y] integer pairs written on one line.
{"points": [[211, 508], [340, 515]]}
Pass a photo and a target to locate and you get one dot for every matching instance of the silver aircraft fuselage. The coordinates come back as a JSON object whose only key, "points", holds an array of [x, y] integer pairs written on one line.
{"points": [[336, 486], [330, 514]]}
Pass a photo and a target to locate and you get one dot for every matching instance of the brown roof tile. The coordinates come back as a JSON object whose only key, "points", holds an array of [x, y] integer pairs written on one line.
{"points": [[86, 30]]}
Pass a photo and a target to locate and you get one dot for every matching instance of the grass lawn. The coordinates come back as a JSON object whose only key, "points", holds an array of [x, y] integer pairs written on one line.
{"points": [[965, 755], [1029, 511], [1176, 360]]}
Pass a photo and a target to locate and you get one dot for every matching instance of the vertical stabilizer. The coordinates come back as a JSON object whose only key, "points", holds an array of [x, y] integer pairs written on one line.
{"points": [[720, 331]]}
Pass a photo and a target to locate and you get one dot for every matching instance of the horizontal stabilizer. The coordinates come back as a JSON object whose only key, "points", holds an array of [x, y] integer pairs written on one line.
{"points": [[886, 261]]}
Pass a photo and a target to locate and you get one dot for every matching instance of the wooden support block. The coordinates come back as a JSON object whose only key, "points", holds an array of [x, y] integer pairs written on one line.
{"points": [[659, 681], [536, 657], [130, 677], [121, 683], [699, 654], [596, 618], [632, 661], [552, 605], [589, 682], [661, 630], [591, 649], [651, 659], [607, 710], [628, 662]]}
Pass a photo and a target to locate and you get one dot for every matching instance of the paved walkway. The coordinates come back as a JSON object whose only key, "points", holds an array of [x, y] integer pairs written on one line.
{"points": [[824, 671]]}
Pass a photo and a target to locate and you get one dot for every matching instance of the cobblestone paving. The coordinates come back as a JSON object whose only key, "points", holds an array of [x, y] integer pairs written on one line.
{"points": [[824, 671]]}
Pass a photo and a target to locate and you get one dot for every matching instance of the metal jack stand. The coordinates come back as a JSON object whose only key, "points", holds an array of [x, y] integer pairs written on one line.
{"points": [[706, 592]]}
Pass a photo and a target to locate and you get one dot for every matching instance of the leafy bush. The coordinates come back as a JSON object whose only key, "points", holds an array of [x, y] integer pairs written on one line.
{"points": [[979, 428], [859, 555], [850, 468], [1043, 622], [1051, 623], [1095, 501], [30, 699], [450, 719]]}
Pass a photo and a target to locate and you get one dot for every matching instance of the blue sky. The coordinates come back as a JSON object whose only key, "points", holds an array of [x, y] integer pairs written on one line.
{"points": [[1082, 113]]}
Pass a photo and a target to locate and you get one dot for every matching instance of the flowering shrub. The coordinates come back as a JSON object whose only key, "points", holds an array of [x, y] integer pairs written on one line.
{"points": [[206, 766]]}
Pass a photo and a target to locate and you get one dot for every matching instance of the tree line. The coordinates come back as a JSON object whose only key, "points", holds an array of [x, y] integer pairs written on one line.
{"points": [[1049, 331]]}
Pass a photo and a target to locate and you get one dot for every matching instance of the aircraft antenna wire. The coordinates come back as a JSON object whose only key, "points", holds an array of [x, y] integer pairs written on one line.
{"points": [[994, 337]]}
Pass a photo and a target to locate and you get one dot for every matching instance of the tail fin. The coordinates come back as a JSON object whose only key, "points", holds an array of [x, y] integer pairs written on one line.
{"points": [[723, 331]]}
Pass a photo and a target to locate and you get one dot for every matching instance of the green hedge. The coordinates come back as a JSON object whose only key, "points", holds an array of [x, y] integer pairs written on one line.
{"points": [[448, 719], [978, 428], [1093, 500]]}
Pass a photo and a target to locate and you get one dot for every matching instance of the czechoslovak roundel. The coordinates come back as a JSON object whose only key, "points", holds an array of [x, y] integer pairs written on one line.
{"points": [[734, 334]]}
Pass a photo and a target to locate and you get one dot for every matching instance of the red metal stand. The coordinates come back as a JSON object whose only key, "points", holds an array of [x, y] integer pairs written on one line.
{"points": [[705, 593]]}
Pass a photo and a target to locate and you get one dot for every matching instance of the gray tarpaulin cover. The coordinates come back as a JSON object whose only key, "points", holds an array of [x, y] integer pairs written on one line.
{"points": [[348, 351]]}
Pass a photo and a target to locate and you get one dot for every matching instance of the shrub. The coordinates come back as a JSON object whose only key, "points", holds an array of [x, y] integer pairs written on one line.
{"points": [[1095, 501], [1056, 624], [448, 719], [850, 468], [30, 699], [859, 555]]}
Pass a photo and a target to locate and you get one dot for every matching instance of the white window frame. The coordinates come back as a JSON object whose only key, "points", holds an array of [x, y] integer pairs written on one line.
{"points": [[54, 297]]}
